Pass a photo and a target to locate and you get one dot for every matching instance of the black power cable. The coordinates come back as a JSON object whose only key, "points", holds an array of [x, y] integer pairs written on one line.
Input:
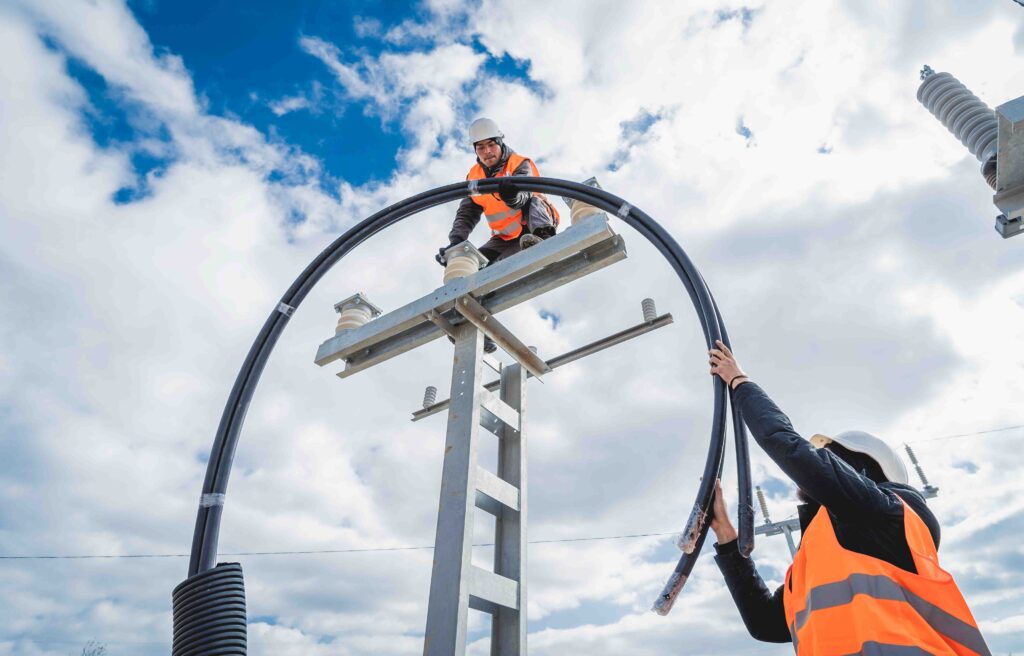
{"points": [[208, 519]]}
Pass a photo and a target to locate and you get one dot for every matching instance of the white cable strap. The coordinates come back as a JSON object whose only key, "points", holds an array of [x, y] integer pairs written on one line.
{"points": [[473, 186], [211, 500], [285, 309], [624, 210]]}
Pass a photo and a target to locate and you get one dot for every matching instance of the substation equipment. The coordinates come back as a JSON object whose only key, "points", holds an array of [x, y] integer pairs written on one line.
{"points": [[209, 606], [464, 310], [995, 138]]}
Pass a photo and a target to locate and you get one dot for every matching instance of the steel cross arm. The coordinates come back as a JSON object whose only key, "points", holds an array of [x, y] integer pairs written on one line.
{"points": [[567, 357], [580, 250], [777, 528], [478, 315]]}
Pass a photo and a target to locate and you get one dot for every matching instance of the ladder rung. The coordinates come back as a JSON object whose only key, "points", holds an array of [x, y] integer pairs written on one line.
{"points": [[496, 488], [492, 588], [490, 422], [503, 411]]}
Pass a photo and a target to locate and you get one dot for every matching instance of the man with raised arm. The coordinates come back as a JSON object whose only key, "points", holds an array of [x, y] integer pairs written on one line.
{"points": [[866, 578]]}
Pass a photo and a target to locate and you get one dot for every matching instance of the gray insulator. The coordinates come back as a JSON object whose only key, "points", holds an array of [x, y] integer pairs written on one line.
{"points": [[989, 171], [917, 466], [429, 396], [968, 118], [650, 311], [764, 504]]}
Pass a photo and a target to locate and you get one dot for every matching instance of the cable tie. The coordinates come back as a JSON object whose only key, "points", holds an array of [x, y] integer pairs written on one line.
{"points": [[473, 186], [624, 210], [285, 309], [211, 500]]}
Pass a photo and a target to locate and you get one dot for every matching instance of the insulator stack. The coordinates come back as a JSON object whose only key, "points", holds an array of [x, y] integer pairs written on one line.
{"points": [[649, 309], [462, 260], [968, 118], [764, 504], [352, 317], [460, 267], [354, 311], [578, 210], [917, 466], [429, 396]]}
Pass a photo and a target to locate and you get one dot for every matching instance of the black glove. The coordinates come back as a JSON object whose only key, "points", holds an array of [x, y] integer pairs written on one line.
{"points": [[507, 192], [440, 255]]}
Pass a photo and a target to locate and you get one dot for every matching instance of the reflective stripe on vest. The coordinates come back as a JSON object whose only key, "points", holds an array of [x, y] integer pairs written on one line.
{"points": [[841, 602], [840, 593], [505, 222], [880, 649]]}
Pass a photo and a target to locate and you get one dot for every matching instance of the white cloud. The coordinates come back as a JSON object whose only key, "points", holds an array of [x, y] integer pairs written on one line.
{"points": [[861, 287]]}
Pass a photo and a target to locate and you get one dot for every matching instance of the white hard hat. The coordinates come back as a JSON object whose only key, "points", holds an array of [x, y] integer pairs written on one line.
{"points": [[484, 128], [873, 447]]}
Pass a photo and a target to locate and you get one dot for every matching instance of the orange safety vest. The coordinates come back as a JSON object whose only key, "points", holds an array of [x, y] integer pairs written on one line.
{"points": [[506, 223], [842, 602]]}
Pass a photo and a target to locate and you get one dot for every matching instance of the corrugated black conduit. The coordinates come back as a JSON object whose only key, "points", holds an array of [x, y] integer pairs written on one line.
{"points": [[209, 613], [205, 539]]}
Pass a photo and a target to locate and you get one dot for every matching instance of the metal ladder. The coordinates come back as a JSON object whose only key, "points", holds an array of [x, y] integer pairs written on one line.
{"points": [[456, 585]]}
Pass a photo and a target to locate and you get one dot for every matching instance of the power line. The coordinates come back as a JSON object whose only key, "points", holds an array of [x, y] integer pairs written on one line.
{"points": [[323, 551], [984, 432], [426, 547]]}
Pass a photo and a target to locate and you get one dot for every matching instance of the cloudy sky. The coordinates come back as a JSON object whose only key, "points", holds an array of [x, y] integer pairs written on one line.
{"points": [[167, 169]]}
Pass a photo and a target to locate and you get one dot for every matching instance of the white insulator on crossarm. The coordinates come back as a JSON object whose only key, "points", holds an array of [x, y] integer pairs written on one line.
{"points": [[355, 311], [968, 118], [649, 309], [429, 396]]}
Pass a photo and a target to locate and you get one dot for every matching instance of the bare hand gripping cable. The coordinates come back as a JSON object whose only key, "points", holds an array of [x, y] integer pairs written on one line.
{"points": [[205, 539]]}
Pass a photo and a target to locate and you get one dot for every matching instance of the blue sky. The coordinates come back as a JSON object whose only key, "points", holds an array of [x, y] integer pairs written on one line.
{"points": [[244, 57], [166, 169]]}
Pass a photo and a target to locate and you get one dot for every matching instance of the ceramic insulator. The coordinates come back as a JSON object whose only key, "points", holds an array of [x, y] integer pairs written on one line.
{"points": [[917, 465], [429, 396], [580, 210], [353, 317], [460, 266], [968, 118], [763, 503], [650, 311]]}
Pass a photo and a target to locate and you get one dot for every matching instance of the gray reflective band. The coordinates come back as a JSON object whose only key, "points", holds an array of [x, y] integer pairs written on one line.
{"points": [[881, 649], [881, 587], [499, 216], [507, 230]]}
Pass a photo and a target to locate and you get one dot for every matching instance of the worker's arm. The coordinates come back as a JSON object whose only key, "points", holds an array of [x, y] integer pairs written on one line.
{"points": [[762, 611], [821, 474], [466, 218]]}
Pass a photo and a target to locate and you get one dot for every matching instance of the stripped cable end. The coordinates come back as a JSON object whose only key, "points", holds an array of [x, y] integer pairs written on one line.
{"points": [[687, 541], [663, 604]]}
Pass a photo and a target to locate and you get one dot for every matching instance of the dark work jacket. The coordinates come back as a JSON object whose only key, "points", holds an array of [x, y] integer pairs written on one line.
{"points": [[469, 213], [868, 517]]}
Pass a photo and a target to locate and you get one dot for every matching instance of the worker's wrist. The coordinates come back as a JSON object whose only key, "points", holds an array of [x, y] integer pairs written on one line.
{"points": [[725, 535], [737, 380]]}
